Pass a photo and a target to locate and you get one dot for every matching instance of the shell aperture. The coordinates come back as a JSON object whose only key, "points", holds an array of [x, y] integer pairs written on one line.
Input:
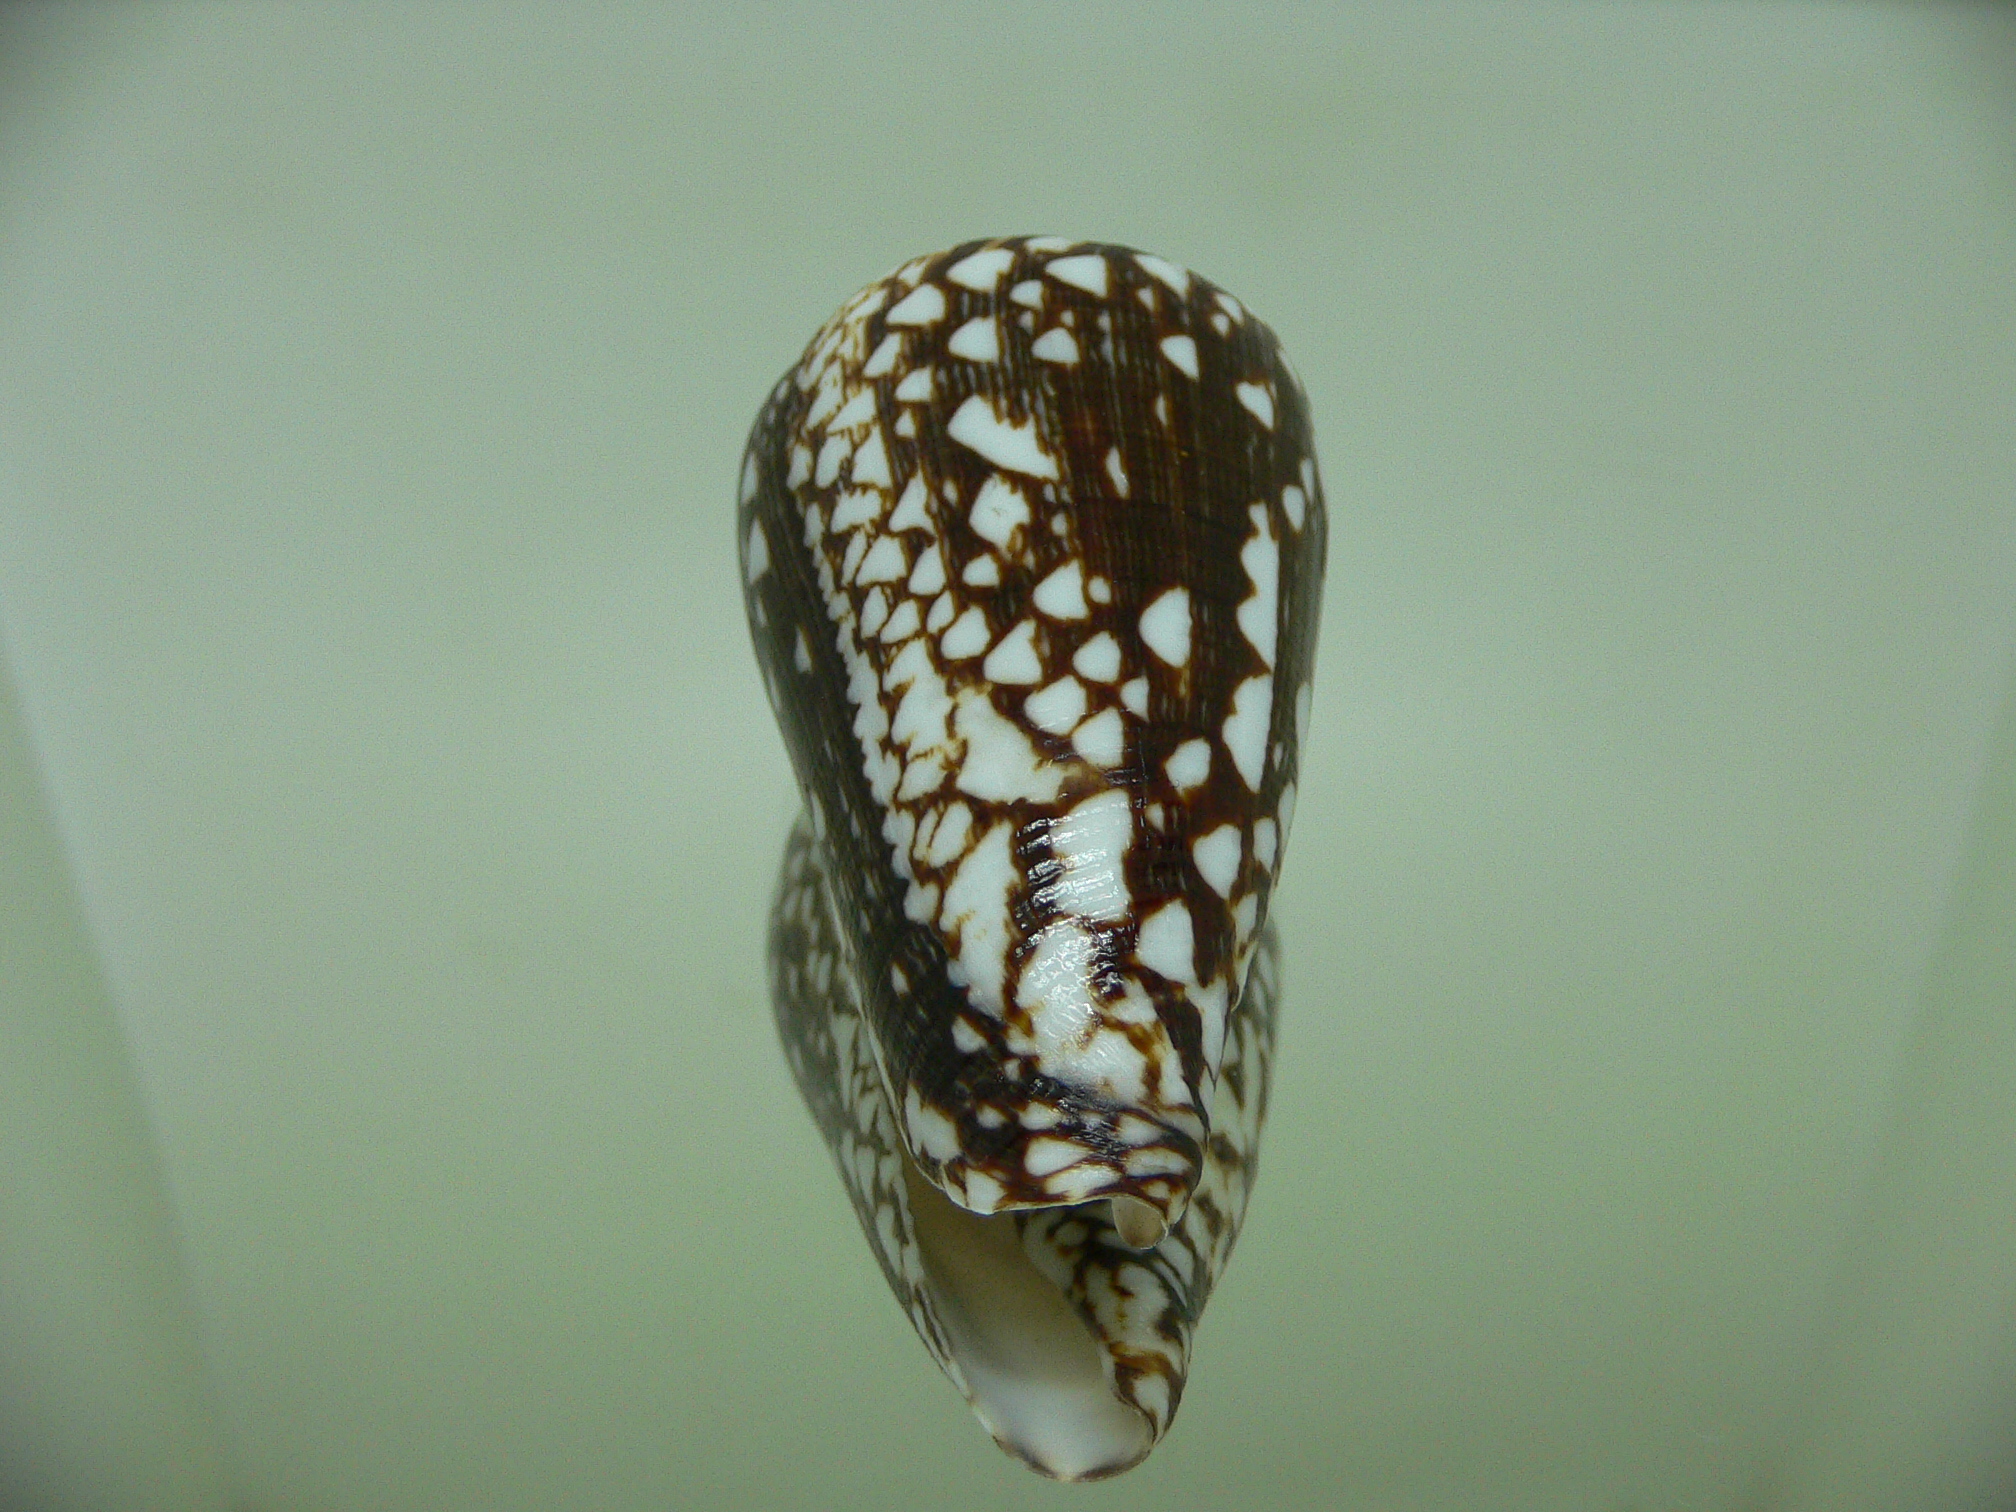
{"points": [[1032, 543]]}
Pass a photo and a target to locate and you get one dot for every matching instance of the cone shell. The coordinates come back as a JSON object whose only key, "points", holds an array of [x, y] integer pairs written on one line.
{"points": [[1032, 541]]}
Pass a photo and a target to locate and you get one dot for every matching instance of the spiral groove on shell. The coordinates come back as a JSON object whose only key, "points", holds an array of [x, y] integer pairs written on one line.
{"points": [[1032, 541]]}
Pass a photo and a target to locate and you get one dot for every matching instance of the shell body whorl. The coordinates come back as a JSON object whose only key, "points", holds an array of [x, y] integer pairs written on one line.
{"points": [[1032, 542]]}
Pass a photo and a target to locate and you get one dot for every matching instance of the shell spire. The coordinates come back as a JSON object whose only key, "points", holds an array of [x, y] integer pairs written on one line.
{"points": [[1033, 542]]}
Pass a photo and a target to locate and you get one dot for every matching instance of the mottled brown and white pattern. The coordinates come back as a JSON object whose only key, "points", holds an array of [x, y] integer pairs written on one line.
{"points": [[1032, 541]]}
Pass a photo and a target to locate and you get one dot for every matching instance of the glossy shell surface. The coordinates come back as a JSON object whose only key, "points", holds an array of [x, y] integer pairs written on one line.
{"points": [[1032, 542]]}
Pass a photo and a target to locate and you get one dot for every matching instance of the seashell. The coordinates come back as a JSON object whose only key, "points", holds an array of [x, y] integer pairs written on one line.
{"points": [[1032, 542]]}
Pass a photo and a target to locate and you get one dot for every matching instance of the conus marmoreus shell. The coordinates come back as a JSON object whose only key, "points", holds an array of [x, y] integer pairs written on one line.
{"points": [[1033, 544]]}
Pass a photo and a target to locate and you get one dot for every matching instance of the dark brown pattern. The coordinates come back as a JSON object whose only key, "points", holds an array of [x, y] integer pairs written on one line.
{"points": [[955, 513]]}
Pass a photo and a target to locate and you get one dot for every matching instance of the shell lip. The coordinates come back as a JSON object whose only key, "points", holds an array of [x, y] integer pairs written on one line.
{"points": [[1068, 1150], [1142, 1211], [996, 1132]]}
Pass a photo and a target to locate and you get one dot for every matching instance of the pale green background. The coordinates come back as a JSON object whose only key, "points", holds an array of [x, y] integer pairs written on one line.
{"points": [[389, 1117]]}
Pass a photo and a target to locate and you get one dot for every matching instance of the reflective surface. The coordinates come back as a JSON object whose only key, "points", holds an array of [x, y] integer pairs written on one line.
{"points": [[371, 391], [1037, 612]]}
